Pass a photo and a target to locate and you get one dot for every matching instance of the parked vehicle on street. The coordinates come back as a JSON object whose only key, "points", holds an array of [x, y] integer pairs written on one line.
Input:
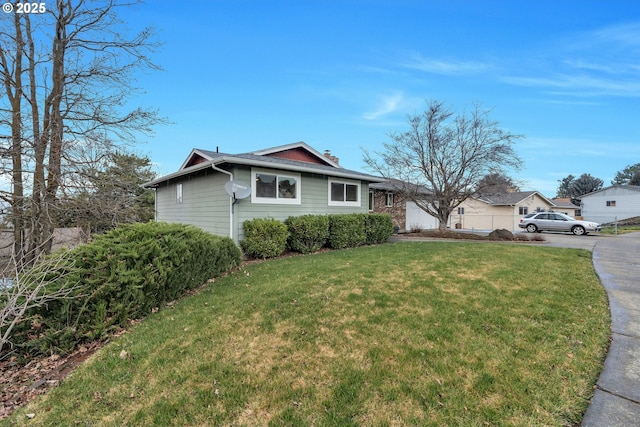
{"points": [[554, 221]]}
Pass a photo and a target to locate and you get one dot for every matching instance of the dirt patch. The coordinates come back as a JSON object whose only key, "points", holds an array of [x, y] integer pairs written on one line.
{"points": [[21, 383]]}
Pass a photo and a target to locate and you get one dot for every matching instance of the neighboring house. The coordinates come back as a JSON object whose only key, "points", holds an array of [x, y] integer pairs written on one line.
{"points": [[501, 211], [481, 213], [278, 182], [612, 204], [407, 216], [564, 205]]}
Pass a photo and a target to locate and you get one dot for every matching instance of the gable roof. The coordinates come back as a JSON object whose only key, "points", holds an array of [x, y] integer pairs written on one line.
{"points": [[511, 199], [564, 202], [200, 159], [624, 187], [299, 151], [393, 185]]}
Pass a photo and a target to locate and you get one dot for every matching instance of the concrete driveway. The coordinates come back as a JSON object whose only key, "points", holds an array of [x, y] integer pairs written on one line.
{"points": [[567, 240]]}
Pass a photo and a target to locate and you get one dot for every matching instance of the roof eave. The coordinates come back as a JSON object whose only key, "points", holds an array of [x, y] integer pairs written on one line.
{"points": [[338, 172], [200, 166]]}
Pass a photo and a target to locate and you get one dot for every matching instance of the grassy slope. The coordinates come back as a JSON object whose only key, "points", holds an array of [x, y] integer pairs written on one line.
{"points": [[399, 334]]}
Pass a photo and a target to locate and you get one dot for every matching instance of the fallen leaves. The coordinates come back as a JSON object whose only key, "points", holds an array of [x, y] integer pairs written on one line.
{"points": [[21, 383]]}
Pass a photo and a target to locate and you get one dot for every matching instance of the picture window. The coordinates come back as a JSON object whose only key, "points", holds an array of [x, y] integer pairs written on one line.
{"points": [[268, 187], [343, 193]]}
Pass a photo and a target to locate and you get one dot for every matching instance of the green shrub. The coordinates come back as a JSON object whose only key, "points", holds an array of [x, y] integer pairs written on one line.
{"points": [[264, 238], [307, 233], [378, 228], [124, 274], [347, 231]]}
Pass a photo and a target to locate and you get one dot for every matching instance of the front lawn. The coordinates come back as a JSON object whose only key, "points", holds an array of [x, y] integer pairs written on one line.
{"points": [[429, 334]]}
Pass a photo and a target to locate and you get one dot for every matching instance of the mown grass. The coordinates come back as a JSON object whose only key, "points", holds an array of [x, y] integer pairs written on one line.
{"points": [[623, 229], [430, 334]]}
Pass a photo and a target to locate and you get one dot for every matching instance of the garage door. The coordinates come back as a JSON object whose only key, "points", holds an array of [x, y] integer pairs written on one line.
{"points": [[417, 218]]}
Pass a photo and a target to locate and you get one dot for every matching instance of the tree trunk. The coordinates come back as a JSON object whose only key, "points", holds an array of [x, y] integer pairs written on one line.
{"points": [[74, 81], [13, 88]]}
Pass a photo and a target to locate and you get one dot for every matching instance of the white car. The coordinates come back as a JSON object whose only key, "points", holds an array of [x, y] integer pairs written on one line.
{"points": [[554, 221]]}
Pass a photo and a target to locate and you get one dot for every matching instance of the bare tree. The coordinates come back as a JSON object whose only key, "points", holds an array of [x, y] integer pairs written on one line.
{"points": [[67, 78], [447, 154], [23, 289]]}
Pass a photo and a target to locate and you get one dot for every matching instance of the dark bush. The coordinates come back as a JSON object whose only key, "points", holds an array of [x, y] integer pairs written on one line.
{"points": [[347, 231], [378, 228], [124, 274], [307, 233], [264, 238], [501, 234]]}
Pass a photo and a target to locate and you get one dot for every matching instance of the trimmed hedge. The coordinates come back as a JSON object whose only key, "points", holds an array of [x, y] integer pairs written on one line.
{"points": [[307, 233], [122, 275], [378, 228], [264, 238], [268, 238], [347, 231]]}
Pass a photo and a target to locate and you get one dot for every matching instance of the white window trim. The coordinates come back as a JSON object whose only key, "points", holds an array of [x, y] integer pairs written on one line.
{"points": [[277, 200], [179, 193], [346, 182], [386, 200]]}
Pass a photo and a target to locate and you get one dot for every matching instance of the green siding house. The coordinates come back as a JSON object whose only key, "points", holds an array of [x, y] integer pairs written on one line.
{"points": [[278, 182]]}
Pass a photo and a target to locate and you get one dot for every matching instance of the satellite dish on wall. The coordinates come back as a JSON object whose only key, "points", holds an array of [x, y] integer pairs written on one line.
{"points": [[237, 189]]}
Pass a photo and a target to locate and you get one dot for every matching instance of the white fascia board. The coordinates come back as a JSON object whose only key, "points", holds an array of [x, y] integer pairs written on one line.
{"points": [[339, 172]]}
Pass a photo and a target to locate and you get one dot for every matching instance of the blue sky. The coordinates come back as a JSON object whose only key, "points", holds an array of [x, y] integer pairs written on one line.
{"points": [[342, 75]]}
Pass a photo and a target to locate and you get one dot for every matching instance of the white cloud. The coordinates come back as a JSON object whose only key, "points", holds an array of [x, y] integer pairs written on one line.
{"points": [[388, 105], [625, 34], [446, 67], [605, 62], [580, 85]]}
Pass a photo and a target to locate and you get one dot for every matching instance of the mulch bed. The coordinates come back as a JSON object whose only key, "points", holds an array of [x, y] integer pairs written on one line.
{"points": [[496, 236], [21, 383]]}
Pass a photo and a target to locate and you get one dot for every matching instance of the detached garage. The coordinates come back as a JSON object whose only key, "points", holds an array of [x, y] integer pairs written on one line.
{"points": [[612, 204]]}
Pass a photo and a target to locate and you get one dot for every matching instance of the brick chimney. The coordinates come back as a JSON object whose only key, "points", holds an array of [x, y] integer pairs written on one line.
{"points": [[328, 155]]}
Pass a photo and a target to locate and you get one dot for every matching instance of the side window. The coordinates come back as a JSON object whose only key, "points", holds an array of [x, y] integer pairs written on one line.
{"points": [[344, 193], [179, 193], [389, 200]]}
